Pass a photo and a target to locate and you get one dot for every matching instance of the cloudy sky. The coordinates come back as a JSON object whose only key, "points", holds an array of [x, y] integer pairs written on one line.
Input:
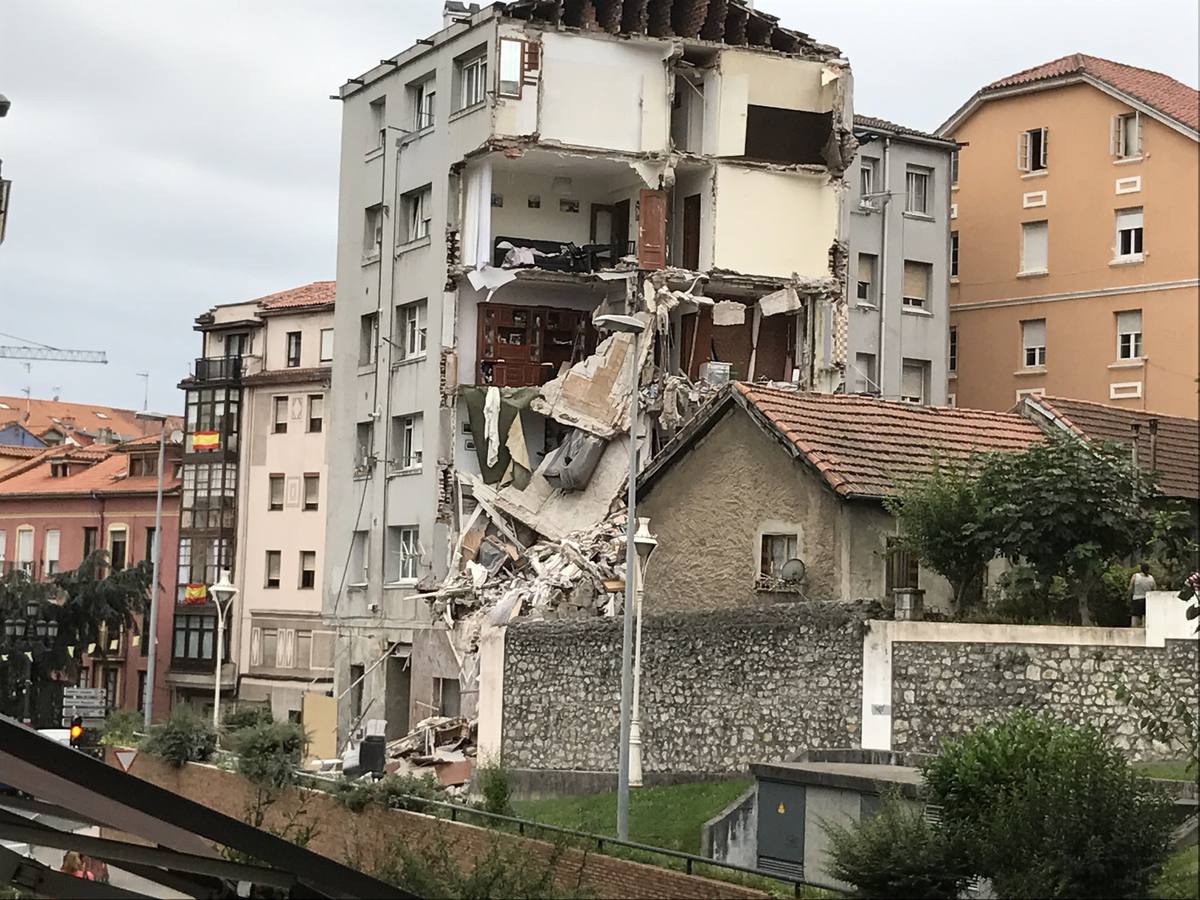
{"points": [[169, 156]]}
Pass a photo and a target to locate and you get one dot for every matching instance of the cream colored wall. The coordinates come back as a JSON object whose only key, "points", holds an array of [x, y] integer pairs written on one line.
{"points": [[1080, 184], [779, 81], [774, 223], [309, 326], [213, 343]]}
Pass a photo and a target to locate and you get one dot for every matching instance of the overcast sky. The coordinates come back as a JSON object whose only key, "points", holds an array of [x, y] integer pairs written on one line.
{"points": [[170, 156]]}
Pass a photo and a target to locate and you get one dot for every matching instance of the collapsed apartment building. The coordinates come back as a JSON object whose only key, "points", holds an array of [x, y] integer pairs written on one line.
{"points": [[527, 168]]}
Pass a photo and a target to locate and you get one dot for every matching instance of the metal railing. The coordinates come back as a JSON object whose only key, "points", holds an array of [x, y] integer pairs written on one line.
{"points": [[457, 812], [219, 368]]}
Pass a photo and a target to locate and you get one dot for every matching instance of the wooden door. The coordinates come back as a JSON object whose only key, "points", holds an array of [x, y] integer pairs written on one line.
{"points": [[652, 229], [691, 232]]}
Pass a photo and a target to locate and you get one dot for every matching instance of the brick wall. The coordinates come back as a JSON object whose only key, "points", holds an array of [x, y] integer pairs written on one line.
{"points": [[368, 839]]}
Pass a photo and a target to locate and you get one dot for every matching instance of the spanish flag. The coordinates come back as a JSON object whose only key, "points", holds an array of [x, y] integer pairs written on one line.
{"points": [[206, 440], [195, 593]]}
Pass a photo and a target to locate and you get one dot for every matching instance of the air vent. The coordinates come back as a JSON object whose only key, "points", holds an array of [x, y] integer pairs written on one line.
{"points": [[785, 867]]}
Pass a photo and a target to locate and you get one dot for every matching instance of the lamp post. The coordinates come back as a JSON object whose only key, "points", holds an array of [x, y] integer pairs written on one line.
{"points": [[28, 635], [634, 326], [222, 590], [152, 628], [645, 543]]}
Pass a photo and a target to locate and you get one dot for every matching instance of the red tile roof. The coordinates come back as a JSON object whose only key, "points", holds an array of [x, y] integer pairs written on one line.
{"points": [[319, 293], [1161, 92], [100, 470], [865, 447], [40, 416], [877, 124], [16, 450], [1176, 452]]}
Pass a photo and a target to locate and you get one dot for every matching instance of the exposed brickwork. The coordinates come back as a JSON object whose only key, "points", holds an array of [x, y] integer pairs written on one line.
{"points": [[608, 15], [633, 16], [758, 30], [369, 839], [688, 17], [735, 25], [658, 23], [714, 22]]}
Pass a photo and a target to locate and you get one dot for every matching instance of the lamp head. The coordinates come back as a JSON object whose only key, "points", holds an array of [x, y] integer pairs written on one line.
{"points": [[223, 589], [643, 541]]}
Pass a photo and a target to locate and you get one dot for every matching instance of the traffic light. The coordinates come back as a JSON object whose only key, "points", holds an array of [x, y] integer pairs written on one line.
{"points": [[76, 731]]}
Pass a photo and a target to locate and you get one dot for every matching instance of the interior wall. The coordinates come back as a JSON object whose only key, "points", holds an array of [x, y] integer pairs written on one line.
{"points": [[779, 81], [688, 183]]}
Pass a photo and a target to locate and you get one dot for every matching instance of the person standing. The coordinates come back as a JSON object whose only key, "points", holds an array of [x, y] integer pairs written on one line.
{"points": [[1139, 585]]}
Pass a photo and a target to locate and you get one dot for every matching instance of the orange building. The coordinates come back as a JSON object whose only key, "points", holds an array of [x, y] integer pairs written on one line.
{"points": [[1074, 238]]}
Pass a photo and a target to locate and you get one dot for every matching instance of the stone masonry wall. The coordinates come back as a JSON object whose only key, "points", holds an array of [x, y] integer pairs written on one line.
{"points": [[941, 690], [719, 689]]}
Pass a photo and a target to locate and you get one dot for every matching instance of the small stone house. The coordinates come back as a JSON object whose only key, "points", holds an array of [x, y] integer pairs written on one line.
{"points": [[766, 475]]}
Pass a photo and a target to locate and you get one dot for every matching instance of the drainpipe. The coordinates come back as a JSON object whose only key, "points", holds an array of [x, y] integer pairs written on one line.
{"points": [[883, 264], [1153, 445]]}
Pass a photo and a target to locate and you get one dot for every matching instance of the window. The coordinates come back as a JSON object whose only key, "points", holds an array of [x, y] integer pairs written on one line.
{"points": [[293, 349], [326, 345], [865, 289], [914, 380], [866, 178], [312, 492], [360, 558], [372, 230], [308, 569], [25, 549], [118, 547], [903, 568], [141, 694], [512, 58], [952, 355], [316, 412], [406, 438], [208, 495], [269, 648], [954, 168], [1034, 247], [280, 413], [274, 558], [917, 276], [364, 446], [954, 254], [368, 339], [237, 344], [303, 649], [917, 190], [1129, 233], [50, 550], [3, 548], [275, 493], [409, 329], [422, 96], [416, 206], [865, 379], [195, 637], [151, 536], [378, 121], [447, 696], [213, 410], [1031, 150], [776, 550], [1033, 342], [403, 553], [91, 540], [143, 465], [472, 81], [1126, 139], [1129, 334]]}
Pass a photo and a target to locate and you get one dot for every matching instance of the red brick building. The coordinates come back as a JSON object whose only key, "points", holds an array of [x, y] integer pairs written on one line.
{"points": [[65, 502]]}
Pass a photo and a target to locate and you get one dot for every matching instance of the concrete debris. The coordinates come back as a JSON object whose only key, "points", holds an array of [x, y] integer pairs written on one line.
{"points": [[442, 746], [729, 312], [782, 301]]}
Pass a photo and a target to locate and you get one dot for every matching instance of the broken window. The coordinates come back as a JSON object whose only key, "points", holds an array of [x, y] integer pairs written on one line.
{"points": [[409, 330], [447, 696], [1031, 150], [903, 568], [791, 136], [512, 57], [403, 553], [372, 230], [917, 190], [358, 674], [368, 339], [776, 550], [416, 206]]}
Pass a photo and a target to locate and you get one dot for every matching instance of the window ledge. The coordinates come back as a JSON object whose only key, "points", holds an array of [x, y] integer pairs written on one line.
{"points": [[918, 217], [370, 259], [467, 110], [863, 306], [1136, 363], [1034, 273], [954, 187], [1133, 260], [952, 376], [954, 279], [916, 311], [1128, 160], [357, 587], [366, 368], [399, 584], [401, 249], [407, 470], [408, 361], [374, 153], [1040, 173], [1031, 370]]}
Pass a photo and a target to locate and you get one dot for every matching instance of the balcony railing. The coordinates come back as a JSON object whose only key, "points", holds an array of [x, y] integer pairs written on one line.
{"points": [[219, 368]]}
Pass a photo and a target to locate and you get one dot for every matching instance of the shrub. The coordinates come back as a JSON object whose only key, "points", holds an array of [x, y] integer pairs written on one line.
{"points": [[495, 787], [896, 853], [269, 753], [1020, 598], [392, 791], [184, 737], [1109, 600], [121, 727], [246, 715], [1048, 810]]}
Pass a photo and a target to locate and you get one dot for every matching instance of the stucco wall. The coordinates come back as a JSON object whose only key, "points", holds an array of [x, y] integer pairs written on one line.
{"points": [[718, 690]]}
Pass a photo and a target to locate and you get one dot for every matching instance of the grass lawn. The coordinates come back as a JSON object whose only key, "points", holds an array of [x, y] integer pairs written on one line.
{"points": [[667, 817], [1181, 877], [1176, 770]]}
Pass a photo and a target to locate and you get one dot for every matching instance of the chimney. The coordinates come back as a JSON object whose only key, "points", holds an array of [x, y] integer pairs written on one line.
{"points": [[1153, 445], [454, 9]]}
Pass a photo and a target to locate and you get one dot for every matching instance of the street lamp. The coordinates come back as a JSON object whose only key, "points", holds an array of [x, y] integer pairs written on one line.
{"points": [[627, 325], [152, 637], [645, 543], [29, 635], [222, 590]]}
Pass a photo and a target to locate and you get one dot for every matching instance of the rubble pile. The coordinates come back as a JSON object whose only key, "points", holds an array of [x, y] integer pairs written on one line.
{"points": [[443, 747]]}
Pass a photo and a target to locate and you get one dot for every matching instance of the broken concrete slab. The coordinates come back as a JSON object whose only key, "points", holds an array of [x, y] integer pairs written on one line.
{"points": [[781, 301], [729, 312]]}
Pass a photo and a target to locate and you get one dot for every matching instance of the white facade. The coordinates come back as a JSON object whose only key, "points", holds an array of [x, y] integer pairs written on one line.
{"points": [[615, 170]]}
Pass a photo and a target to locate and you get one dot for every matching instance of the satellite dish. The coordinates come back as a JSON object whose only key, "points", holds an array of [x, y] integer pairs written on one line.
{"points": [[176, 436], [793, 571]]}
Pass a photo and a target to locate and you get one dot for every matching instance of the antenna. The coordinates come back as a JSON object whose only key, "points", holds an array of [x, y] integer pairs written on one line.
{"points": [[145, 376]]}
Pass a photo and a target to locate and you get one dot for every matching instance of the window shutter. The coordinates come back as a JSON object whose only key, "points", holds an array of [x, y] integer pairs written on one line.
{"points": [[1045, 144], [1129, 322], [912, 385], [256, 646], [1114, 136], [1033, 333], [1137, 129], [652, 229], [866, 267], [1023, 151], [1034, 246], [915, 282]]}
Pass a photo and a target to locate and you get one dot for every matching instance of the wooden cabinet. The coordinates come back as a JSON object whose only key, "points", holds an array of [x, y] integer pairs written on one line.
{"points": [[527, 345]]}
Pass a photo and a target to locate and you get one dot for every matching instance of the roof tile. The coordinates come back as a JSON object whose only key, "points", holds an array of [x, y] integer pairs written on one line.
{"points": [[40, 416], [318, 293], [105, 473]]}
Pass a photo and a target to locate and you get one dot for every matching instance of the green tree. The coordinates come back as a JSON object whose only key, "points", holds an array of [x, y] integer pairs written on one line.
{"points": [[943, 521], [1068, 509], [1047, 810]]}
